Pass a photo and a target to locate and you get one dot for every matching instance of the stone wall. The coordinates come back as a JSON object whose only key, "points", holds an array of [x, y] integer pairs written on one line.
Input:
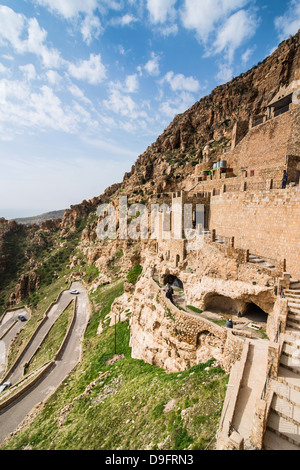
{"points": [[265, 222], [266, 145], [172, 250], [174, 340]]}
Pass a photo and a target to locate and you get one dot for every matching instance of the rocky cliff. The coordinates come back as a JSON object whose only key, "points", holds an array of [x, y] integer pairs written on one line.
{"points": [[165, 164], [175, 153], [211, 119]]}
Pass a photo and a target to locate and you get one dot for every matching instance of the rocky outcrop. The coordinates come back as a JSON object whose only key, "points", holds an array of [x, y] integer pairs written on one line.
{"points": [[163, 335], [209, 122], [51, 225], [26, 285], [230, 296]]}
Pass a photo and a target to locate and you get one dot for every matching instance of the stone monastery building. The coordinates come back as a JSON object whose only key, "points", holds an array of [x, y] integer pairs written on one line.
{"points": [[242, 193]]}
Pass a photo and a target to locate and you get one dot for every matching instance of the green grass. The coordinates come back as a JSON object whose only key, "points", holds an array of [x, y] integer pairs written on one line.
{"points": [[134, 273], [194, 309], [46, 295], [53, 341], [53, 258], [91, 273], [126, 409]]}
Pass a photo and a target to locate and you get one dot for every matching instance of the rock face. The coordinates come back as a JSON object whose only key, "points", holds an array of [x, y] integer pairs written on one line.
{"points": [[201, 133], [26, 285], [210, 121], [51, 225], [230, 296], [164, 336]]}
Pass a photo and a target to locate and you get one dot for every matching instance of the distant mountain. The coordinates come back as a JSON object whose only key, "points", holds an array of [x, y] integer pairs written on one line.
{"points": [[39, 219]]}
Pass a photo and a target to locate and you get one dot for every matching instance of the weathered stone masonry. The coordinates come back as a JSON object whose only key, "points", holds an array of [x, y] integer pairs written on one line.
{"points": [[265, 222]]}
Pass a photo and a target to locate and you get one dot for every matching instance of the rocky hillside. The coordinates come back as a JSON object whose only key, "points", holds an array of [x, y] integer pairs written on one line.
{"points": [[183, 408], [160, 169], [39, 219], [180, 147]]}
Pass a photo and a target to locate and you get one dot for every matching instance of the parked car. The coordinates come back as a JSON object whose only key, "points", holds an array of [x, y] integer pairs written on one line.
{"points": [[74, 291], [22, 318], [4, 386]]}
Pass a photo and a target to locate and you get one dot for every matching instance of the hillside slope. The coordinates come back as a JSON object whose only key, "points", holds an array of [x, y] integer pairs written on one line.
{"points": [[38, 261]]}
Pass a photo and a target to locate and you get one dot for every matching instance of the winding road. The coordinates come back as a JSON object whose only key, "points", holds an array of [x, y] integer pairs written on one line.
{"points": [[13, 415], [9, 328]]}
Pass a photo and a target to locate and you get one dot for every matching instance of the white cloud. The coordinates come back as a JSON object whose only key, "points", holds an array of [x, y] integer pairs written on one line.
{"points": [[92, 70], [125, 20], [179, 82], [247, 54], [169, 30], [132, 83], [69, 8], [8, 57], [35, 44], [152, 66], [131, 114], [79, 94], [90, 28], [4, 70], [177, 105], [289, 23], [14, 26], [21, 109], [204, 16], [11, 27], [120, 103], [232, 34], [225, 74], [161, 10], [28, 71], [53, 77]]}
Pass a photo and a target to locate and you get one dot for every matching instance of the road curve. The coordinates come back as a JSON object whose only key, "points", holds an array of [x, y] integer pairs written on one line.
{"points": [[13, 415], [55, 311], [9, 328]]}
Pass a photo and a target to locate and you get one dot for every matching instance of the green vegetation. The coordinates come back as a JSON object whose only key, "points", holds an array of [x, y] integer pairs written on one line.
{"points": [[44, 296], [54, 266], [91, 273], [134, 406], [53, 256], [49, 251], [131, 404], [15, 246], [134, 273], [194, 309], [53, 341]]}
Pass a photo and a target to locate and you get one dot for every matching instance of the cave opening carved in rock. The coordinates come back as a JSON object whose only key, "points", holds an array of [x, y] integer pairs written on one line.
{"points": [[173, 280], [221, 304], [255, 313]]}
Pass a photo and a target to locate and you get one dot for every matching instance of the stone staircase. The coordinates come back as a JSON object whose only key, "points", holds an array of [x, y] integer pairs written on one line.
{"points": [[283, 427], [265, 262]]}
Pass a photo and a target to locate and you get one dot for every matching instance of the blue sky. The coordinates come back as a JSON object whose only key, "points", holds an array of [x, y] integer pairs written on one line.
{"points": [[87, 85]]}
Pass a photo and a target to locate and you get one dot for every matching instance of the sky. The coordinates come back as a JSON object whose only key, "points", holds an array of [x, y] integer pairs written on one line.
{"points": [[87, 85]]}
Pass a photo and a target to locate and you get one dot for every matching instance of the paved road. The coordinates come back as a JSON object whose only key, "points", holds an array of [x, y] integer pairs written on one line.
{"points": [[52, 316], [14, 414], [8, 335]]}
